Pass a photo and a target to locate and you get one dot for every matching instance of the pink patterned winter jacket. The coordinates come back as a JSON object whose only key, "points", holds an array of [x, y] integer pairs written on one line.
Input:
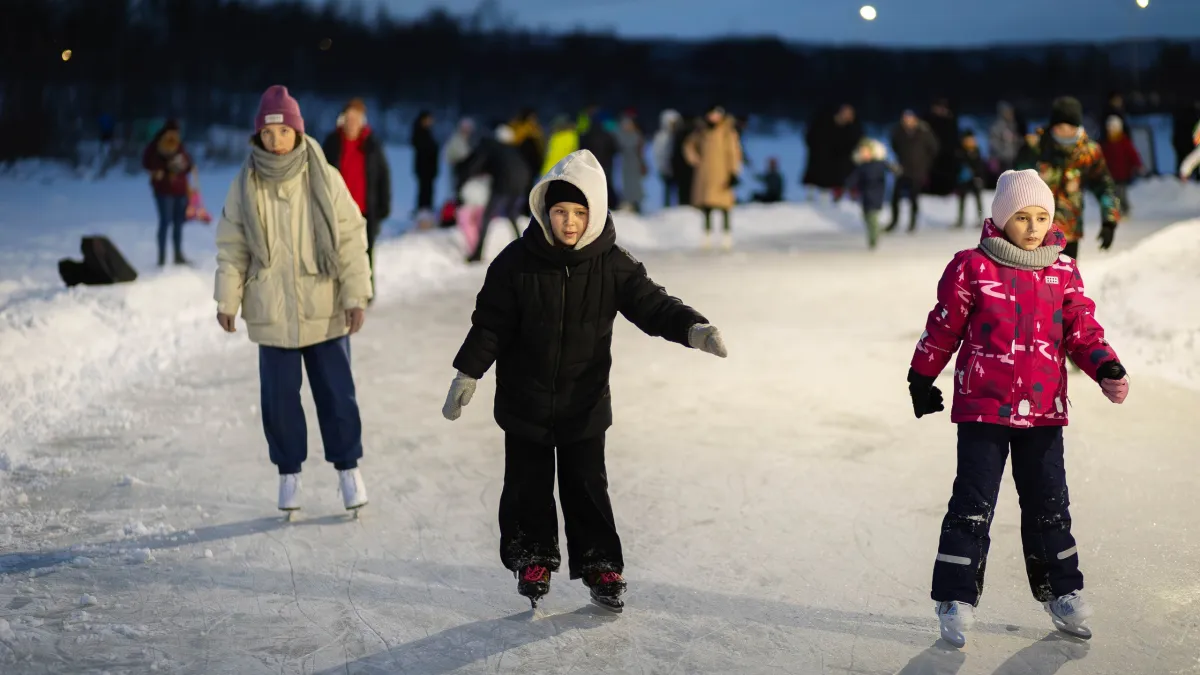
{"points": [[1016, 328]]}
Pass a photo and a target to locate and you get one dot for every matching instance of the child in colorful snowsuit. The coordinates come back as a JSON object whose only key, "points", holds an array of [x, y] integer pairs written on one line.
{"points": [[545, 317], [1019, 307], [1069, 162], [869, 181], [971, 170]]}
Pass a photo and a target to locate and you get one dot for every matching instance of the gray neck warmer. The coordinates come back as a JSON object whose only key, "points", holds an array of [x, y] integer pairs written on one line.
{"points": [[1009, 254], [271, 168]]}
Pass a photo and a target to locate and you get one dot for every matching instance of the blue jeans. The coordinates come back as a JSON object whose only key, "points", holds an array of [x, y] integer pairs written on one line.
{"points": [[332, 383], [172, 211]]}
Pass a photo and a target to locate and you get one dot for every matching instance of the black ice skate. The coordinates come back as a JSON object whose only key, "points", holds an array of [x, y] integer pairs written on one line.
{"points": [[606, 588], [533, 582]]}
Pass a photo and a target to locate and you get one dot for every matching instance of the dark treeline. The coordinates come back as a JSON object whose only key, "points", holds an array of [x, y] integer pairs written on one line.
{"points": [[206, 60]]}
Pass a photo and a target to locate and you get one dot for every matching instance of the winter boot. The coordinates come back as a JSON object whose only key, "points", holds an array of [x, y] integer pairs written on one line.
{"points": [[606, 588], [955, 619], [180, 260], [1070, 614], [289, 492], [354, 491], [533, 582]]}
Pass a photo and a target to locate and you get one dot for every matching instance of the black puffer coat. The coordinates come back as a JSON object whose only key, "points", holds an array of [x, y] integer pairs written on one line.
{"points": [[545, 316]]}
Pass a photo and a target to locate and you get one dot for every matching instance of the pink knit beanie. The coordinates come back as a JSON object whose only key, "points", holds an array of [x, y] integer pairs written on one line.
{"points": [[1017, 189], [278, 107]]}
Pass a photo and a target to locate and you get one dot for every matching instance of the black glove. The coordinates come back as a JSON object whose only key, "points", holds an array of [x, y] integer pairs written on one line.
{"points": [[926, 398], [1110, 370], [734, 180], [1107, 232]]}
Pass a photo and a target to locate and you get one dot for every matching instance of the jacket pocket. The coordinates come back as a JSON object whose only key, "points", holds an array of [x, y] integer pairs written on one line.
{"points": [[319, 297], [262, 299]]}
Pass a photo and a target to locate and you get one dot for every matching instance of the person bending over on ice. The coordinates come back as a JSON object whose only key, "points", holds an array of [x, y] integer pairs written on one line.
{"points": [[545, 317], [292, 255], [1019, 306]]}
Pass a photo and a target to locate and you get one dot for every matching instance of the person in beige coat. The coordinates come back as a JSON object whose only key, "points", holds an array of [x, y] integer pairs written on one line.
{"points": [[292, 256], [716, 153]]}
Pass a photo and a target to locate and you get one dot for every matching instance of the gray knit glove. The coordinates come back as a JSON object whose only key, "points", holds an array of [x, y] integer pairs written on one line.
{"points": [[707, 338], [461, 391]]}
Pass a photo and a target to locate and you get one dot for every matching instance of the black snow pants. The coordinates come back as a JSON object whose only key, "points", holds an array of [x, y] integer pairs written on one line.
{"points": [[1051, 560], [528, 517]]}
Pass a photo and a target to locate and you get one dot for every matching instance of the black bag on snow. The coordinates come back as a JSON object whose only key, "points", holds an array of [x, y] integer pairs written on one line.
{"points": [[102, 264]]}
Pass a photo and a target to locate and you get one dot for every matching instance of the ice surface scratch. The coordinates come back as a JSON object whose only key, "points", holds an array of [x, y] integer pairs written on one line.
{"points": [[350, 597]]}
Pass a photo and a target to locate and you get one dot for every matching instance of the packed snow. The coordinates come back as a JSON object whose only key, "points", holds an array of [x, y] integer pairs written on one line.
{"points": [[779, 509]]}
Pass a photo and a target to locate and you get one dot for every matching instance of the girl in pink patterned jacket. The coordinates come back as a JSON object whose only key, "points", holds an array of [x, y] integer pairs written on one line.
{"points": [[1017, 307]]}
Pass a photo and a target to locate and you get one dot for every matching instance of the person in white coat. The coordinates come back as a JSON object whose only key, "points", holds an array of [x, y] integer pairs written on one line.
{"points": [[292, 257]]}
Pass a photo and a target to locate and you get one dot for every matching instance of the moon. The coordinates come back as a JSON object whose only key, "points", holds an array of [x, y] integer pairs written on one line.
{"points": [[868, 12]]}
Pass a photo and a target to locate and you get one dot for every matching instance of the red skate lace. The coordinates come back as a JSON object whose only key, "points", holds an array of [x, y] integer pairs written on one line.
{"points": [[610, 577], [534, 573]]}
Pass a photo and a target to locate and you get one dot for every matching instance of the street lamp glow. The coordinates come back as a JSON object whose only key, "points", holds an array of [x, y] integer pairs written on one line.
{"points": [[66, 55], [868, 12], [1143, 3]]}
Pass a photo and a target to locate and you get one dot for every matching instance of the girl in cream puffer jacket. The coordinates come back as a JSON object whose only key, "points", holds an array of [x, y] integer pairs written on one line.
{"points": [[292, 256]]}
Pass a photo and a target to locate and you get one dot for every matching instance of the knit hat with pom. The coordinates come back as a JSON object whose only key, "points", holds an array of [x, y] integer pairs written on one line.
{"points": [[1016, 190]]}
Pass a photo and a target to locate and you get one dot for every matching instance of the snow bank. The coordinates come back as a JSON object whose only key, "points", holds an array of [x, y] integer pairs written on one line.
{"points": [[66, 348], [1147, 300]]}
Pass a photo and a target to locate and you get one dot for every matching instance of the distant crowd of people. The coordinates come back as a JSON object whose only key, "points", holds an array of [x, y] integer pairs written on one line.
{"points": [[700, 161]]}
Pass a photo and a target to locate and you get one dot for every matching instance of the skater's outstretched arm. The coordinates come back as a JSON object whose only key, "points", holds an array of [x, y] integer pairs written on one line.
{"points": [[1082, 333], [493, 324], [948, 321], [1101, 183], [647, 305]]}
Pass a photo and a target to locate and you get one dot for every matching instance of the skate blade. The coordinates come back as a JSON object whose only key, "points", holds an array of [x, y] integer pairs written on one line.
{"points": [[616, 608]]}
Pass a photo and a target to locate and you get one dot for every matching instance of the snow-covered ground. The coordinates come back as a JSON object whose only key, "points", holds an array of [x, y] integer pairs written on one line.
{"points": [[780, 509]]}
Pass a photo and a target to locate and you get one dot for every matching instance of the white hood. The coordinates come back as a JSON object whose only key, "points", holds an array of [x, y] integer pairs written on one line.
{"points": [[667, 117], [581, 169]]}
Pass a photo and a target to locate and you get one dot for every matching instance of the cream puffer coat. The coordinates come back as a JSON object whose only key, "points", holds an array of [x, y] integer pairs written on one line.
{"points": [[286, 304]]}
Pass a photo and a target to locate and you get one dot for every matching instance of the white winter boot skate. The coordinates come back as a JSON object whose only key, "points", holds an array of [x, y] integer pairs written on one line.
{"points": [[955, 619], [354, 491], [289, 492], [1070, 614]]}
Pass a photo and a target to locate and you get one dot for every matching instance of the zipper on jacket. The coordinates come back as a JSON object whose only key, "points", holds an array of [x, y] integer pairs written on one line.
{"points": [[562, 319]]}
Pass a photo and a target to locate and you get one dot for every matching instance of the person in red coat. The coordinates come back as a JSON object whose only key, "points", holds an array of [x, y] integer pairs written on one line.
{"points": [[169, 164], [1124, 162], [1018, 308]]}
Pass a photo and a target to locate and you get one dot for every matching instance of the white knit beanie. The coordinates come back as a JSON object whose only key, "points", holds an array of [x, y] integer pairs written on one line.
{"points": [[1016, 190]]}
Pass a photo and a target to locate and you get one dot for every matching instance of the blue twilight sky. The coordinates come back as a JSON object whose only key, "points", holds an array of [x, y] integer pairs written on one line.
{"points": [[900, 22]]}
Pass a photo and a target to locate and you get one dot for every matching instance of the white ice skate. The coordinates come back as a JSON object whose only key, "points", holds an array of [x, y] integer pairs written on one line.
{"points": [[354, 491], [289, 493], [955, 619], [727, 242], [1070, 614], [706, 241]]}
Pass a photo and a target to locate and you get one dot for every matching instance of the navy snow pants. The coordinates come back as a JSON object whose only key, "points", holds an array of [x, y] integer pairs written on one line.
{"points": [[280, 378], [1051, 560]]}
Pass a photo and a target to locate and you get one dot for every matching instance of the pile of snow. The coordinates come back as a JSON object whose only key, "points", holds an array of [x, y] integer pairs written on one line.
{"points": [[1147, 300]]}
